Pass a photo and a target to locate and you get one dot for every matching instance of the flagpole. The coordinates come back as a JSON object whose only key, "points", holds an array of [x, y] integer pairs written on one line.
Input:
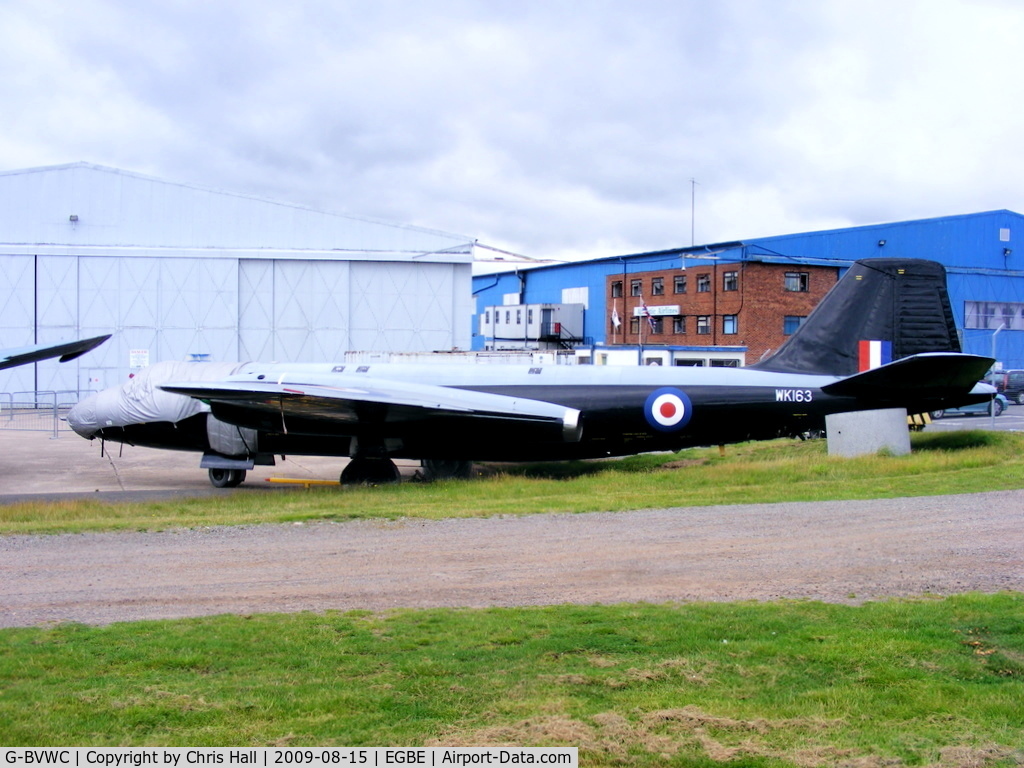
{"points": [[641, 331], [640, 334]]}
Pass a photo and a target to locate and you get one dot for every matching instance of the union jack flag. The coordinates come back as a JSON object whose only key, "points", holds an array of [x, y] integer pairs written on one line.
{"points": [[646, 313]]}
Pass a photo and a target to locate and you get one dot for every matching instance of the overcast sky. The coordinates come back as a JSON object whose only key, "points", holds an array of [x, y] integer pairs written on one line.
{"points": [[552, 129]]}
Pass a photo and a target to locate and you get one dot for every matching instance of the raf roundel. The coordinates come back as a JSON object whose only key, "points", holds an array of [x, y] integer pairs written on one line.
{"points": [[668, 409]]}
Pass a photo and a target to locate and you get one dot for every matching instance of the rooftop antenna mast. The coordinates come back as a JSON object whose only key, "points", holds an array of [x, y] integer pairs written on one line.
{"points": [[693, 197]]}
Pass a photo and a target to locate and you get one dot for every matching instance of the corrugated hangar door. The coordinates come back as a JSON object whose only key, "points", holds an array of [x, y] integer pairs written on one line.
{"points": [[119, 296], [199, 309], [293, 310], [57, 317], [174, 309], [256, 310], [316, 311], [402, 307], [17, 317]]}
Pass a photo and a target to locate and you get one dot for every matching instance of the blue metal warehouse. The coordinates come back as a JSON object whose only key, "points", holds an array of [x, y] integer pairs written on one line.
{"points": [[985, 266]]}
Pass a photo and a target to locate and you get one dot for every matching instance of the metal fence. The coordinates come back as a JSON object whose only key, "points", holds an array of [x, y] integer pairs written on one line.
{"points": [[37, 411]]}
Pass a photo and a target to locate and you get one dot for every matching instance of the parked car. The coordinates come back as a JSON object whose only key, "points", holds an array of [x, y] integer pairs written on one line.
{"points": [[997, 404], [1010, 383]]}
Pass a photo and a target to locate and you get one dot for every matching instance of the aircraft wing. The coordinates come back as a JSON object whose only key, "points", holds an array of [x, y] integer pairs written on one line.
{"points": [[924, 375], [9, 358], [378, 401]]}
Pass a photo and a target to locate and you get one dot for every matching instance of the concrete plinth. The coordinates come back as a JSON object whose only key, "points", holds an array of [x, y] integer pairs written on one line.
{"points": [[863, 433]]}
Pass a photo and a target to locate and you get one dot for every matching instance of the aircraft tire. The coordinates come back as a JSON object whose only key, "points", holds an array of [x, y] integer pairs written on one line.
{"points": [[373, 470], [445, 469], [226, 478]]}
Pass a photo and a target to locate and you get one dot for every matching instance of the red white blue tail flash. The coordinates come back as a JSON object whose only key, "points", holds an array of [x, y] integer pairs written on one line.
{"points": [[668, 409], [874, 354]]}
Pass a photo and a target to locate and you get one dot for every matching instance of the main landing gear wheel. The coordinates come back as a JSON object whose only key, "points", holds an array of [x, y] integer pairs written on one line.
{"points": [[370, 470], [446, 469], [226, 478]]}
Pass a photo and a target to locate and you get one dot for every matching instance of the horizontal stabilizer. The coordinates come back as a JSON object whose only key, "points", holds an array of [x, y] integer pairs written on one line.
{"points": [[943, 374]]}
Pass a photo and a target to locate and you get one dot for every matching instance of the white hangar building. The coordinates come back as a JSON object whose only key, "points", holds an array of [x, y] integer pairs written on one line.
{"points": [[178, 272]]}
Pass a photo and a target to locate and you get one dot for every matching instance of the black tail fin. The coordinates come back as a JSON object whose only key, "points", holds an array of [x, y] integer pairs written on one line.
{"points": [[900, 303]]}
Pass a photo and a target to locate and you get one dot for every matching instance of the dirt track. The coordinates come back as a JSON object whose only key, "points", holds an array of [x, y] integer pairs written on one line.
{"points": [[844, 551]]}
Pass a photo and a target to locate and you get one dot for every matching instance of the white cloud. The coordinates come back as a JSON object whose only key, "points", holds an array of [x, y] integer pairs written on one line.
{"points": [[549, 128]]}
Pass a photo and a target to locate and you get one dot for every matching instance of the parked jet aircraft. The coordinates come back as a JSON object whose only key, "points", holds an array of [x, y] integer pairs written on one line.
{"points": [[68, 350], [884, 337]]}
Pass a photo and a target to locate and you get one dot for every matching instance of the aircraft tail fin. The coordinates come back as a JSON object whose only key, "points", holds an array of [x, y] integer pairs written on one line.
{"points": [[881, 310]]}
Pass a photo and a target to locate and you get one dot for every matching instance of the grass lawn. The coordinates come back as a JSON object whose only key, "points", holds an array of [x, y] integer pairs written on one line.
{"points": [[919, 682], [931, 682], [780, 470]]}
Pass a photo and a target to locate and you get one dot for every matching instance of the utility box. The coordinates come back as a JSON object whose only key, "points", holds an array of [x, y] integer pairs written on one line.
{"points": [[862, 433]]}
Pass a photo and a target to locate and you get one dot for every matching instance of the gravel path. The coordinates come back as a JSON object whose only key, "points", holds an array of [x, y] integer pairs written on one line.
{"points": [[843, 551]]}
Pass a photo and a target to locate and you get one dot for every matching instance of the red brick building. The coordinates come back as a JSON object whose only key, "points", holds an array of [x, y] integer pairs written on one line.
{"points": [[751, 304]]}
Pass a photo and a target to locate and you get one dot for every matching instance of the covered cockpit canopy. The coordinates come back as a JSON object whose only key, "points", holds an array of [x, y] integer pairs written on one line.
{"points": [[141, 401]]}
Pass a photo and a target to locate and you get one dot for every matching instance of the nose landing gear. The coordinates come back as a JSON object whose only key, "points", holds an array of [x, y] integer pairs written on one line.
{"points": [[226, 478]]}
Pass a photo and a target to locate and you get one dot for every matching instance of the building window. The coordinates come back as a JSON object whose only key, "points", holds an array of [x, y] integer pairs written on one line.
{"points": [[519, 317], [729, 324], [987, 315], [725, 363], [980, 315], [731, 281], [634, 325], [679, 284], [508, 317], [703, 325], [703, 283], [636, 287], [487, 317], [657, 325], [529, 317], [617, 289], [791, 322], [657, 286], [679, 324], [797, 281]]}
